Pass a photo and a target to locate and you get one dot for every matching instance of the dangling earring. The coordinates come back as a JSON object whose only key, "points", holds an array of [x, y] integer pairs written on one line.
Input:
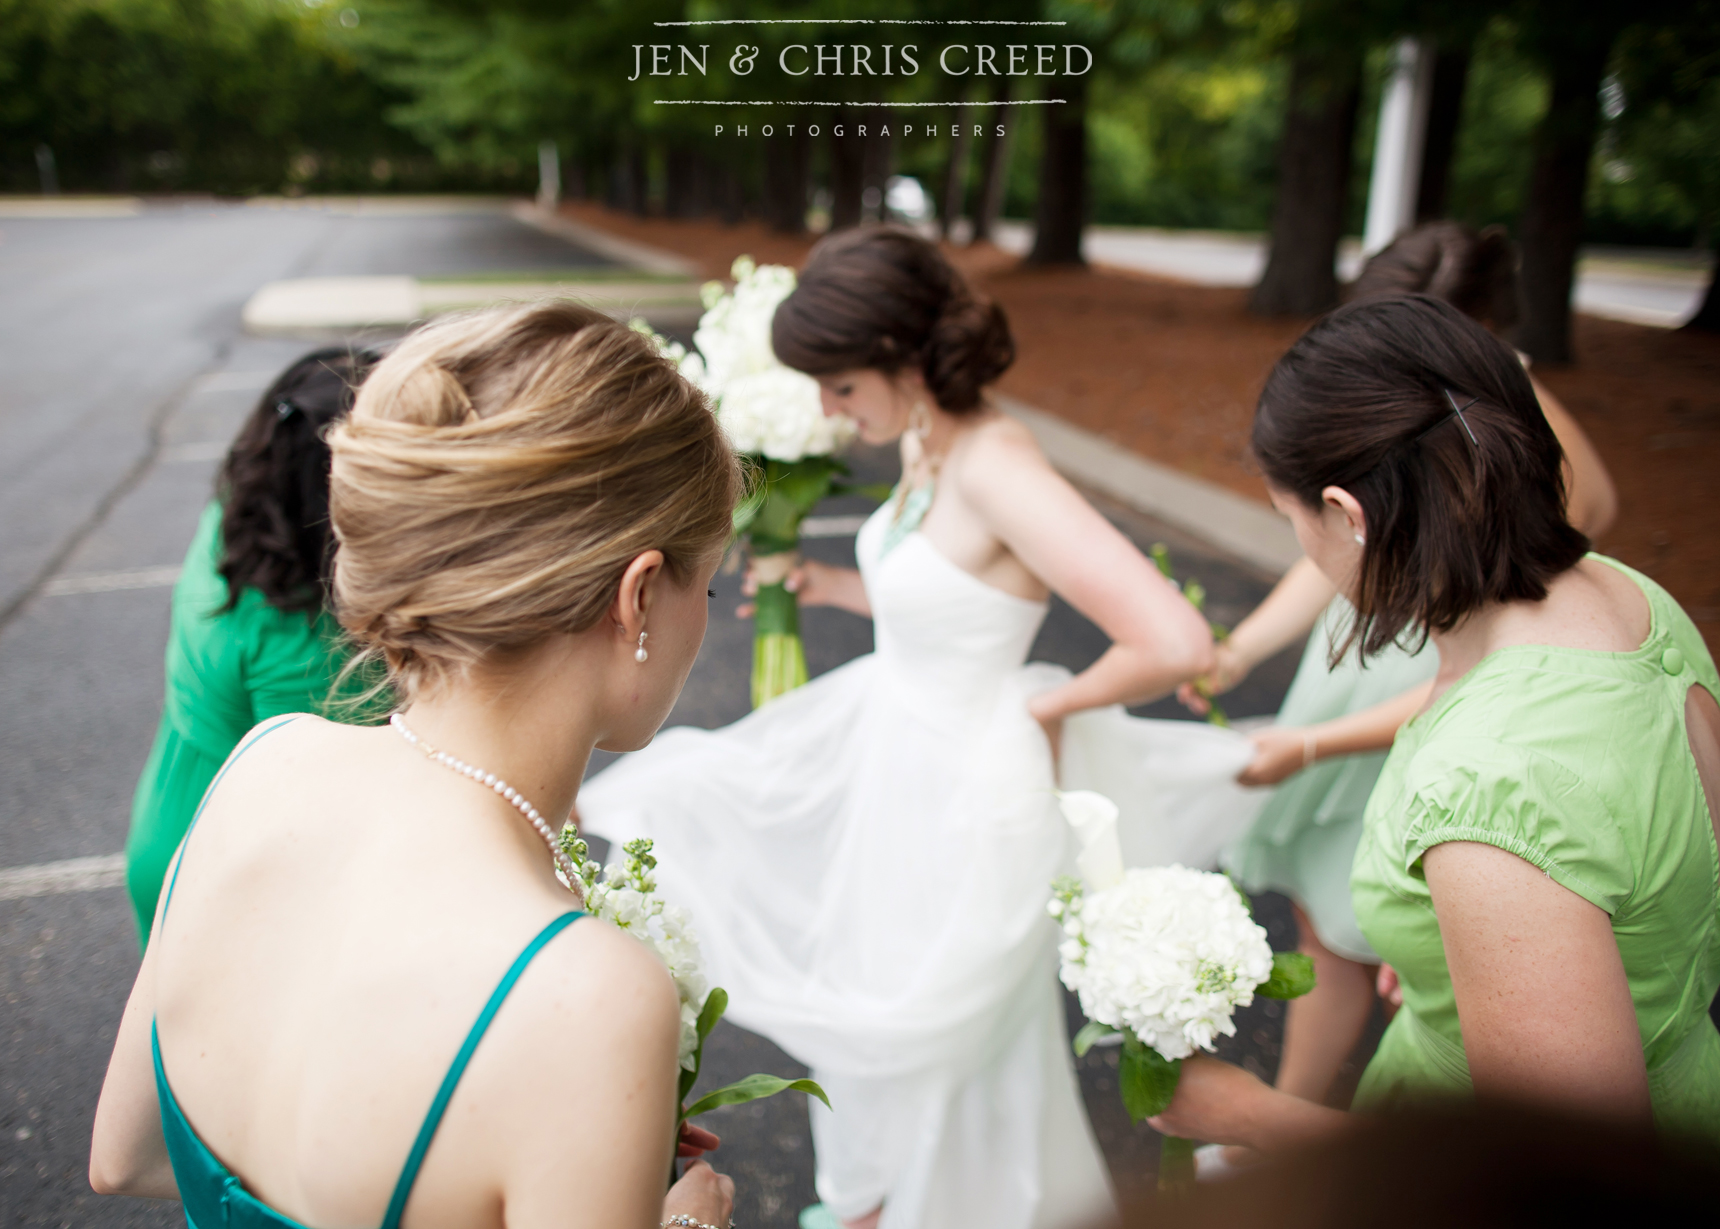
{"points": [[639, 654]]}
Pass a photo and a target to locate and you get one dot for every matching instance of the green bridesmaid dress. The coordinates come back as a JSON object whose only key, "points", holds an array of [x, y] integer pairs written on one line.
{"points": [[1303, 842], [1577, 762], [226, 671]]}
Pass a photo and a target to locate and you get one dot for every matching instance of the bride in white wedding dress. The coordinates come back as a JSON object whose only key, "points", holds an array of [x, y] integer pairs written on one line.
{"points": [[868, 857]]}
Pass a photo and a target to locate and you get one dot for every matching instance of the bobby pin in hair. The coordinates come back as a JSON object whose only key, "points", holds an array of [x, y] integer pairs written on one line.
{"points": [[1456, 410]]}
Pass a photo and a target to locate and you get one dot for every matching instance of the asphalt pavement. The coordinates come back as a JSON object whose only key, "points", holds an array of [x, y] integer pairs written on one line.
{"points": [[127, 372]]}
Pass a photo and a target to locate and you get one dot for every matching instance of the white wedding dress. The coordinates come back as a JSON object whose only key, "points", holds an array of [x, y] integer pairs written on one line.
{"points": [[867, 861]]}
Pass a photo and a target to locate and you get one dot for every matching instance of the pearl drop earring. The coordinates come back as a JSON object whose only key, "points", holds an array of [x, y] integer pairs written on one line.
{"points": [[639, 654]]}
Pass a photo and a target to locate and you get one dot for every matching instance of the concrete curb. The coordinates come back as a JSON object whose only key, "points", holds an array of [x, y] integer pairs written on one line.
{"points": [[622, 251], [1235, 525], [310, 303]]}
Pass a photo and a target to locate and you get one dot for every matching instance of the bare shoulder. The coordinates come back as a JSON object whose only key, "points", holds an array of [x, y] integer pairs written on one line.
{"points": [[996, 445], [604, 982]]}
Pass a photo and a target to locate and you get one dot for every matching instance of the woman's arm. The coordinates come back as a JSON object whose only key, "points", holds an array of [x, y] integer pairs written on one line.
{"points": [[591, 1143], [817, 584], [1280, 751], [1287, 615], [128, 1155], [1541, 991], [1158, 639], [1591, 500]]}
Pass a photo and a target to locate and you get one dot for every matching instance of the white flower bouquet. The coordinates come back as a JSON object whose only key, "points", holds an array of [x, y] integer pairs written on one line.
{"points": [[772, 414], [1160, 957], [625, 895]]}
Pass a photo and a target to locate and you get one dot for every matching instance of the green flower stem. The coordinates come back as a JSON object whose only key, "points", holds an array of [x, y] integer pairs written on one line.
{"points": [[1176, 1165], [776, 610]]}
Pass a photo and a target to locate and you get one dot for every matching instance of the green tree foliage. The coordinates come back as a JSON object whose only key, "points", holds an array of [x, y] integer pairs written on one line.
{"points": [[229, 95]]}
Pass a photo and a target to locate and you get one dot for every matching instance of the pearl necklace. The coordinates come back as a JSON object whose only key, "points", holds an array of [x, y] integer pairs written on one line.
{"points": [[564, 867]]}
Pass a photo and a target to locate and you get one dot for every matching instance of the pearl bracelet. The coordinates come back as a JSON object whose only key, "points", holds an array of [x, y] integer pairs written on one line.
{"points": [[687, 1222]]}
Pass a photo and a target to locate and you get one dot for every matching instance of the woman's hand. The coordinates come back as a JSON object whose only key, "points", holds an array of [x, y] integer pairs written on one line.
{"points": [[1228, 669], [1052, 724], [1390, 990], [814, 584], [1279, 751], [695, 1141], [1215, 1101], [703, 1194], [1223, 1104]]}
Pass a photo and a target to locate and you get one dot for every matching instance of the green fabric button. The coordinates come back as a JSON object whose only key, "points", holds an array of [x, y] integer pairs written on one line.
{"points": [[1672, 661]]}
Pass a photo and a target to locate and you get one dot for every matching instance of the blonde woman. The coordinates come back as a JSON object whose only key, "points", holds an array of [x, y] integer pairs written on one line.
{"points": [[367, 1000]]}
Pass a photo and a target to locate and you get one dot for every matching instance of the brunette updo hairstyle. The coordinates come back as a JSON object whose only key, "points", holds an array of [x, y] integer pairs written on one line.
{"points": [[1474, 272], [1361, 402], [499, 472], [886, 299]]}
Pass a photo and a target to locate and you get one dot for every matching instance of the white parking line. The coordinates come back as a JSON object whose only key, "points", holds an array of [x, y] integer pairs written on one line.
{"points": [[234, 382], [831, 526], [73, 875], [109, 582]]}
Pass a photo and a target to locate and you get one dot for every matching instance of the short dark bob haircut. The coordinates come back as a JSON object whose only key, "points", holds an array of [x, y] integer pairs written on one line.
{"points": [[886, 299], [1364, 401]]}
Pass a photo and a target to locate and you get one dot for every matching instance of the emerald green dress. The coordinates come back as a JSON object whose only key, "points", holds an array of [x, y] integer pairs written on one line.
{"points": [[226, 671], [1577, 762]]}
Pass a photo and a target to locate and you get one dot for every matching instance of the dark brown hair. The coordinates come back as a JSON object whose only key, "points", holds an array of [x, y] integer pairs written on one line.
{"points": [[1474, 272], [887, 299], [1364, 401], [273, 485]]}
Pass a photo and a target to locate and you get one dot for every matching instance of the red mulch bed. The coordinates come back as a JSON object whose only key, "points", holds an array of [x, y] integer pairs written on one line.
{"points": [[1171, 371]]}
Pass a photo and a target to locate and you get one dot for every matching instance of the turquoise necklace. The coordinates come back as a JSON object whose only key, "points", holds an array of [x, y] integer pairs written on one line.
{"points": [[911, 509]]}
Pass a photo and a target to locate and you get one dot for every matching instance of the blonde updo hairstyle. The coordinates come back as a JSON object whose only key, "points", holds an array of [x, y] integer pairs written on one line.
{"points": [[498, 473]]}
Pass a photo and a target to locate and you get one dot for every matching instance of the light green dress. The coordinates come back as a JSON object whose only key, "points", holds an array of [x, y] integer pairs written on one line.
{"points": [[226, 671], [1577, 762], [1303, 842]]}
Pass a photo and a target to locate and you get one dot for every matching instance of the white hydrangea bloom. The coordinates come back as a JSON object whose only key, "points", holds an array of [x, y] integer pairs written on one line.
{"points": [[763, 407], [667, 930], [1168, 953]]}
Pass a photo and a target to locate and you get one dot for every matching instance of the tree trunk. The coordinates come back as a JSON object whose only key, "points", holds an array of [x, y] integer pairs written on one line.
{"points": [[787, 167], [1061, 213], [875, 172], [1444, 115], [1314, 157], [847, 171], [954, 193], [1552, 223], [994, 168], [1707, 317], [627, 185]]}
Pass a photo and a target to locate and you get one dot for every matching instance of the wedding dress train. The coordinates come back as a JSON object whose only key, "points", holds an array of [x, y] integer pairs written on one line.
{"points": [[867, 861]]}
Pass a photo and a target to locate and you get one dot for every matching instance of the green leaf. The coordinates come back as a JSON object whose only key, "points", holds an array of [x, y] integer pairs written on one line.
{"points": [[753, 1088], [1162, 556], [716, 1003], [876, 491], [1147, 1079], [1089, 1036], [1292, 977]]}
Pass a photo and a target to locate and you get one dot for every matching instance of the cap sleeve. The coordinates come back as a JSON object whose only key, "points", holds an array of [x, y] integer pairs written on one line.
{"points": [[1525, 803]]}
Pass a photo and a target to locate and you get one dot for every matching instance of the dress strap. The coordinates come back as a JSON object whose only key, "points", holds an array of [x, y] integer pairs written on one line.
{"points": [[432, 1120], [189, 828]]}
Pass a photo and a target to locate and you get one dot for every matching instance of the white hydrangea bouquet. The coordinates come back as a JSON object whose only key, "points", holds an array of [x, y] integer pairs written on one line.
{"points": [[625, 894], [1161, 957], [772, 414]]}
